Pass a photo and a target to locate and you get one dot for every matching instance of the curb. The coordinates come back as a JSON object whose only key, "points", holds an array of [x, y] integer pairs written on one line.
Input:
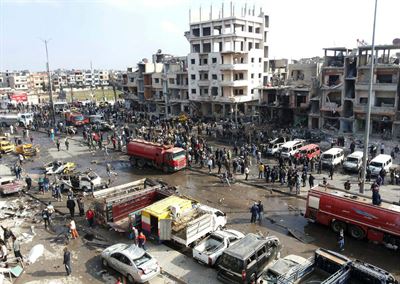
{"points": [[255, 185]]}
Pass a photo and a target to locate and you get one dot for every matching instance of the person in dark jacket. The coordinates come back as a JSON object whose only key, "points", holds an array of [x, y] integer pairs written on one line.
{"points": [[67, 261], [71, 207], [254, 213], [311, 179], [260, 211]]}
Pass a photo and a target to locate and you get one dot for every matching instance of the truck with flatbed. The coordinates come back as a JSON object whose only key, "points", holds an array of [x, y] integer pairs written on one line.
{"points": [[209, 250], [354, 214], [165, 157]]}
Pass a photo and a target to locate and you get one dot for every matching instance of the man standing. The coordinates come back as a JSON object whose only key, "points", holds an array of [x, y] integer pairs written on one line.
{"points": [[142, 241], [17, 249], [260, 211], [90, 217], [71, 207], [58, 144], [66, 143], [67, 261], [28, 181], [46, 218], [341, 240], [254, 212], [81, 206], [311, 179], [246, 172], [331, 170]]}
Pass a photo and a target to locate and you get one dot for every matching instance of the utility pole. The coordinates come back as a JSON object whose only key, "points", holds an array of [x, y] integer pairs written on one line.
{"points": [[368, 115], [52, 114]]}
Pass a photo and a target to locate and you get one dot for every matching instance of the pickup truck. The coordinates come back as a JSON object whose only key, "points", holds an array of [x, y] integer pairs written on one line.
{"points": [[10, 185], [211, 248]]}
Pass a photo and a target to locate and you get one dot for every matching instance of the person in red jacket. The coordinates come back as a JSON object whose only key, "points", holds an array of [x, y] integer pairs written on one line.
{"points": [[90, 217], [142, 241]]}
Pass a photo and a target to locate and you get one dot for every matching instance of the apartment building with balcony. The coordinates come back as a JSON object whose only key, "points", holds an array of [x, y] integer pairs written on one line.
{"points": [[159, 87], [18, 80], [385, 110], [286, 99], [228, 61]]}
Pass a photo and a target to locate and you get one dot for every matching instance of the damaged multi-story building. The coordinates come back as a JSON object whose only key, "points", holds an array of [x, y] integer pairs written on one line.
{"points": [[345, 79], [159, 87], [286, 99], [228, 61]]}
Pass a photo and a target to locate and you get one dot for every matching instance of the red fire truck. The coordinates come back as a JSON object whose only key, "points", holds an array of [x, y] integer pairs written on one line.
{"points": [[355, 214], [75, 119], [165, 157]]}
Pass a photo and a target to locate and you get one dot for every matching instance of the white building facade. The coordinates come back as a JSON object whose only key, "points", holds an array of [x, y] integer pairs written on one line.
{"points": [[228, 61]]}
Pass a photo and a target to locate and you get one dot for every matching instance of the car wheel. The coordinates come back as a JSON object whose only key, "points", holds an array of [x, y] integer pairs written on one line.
{"points": [[130, 279], [338, 225], [104, 262]]}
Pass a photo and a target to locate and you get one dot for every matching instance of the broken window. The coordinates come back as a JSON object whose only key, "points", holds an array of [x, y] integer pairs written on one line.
{"points": [[363, 101], [258, 30], [196, 32], [384, 78], [171, 81], [214, 60], [257, 45], [193, 77], [214, 76], [252, 60], [195, 48], [206, 31], [205, 76], [193, 91], [250, 45], [217, 30], [252, 76], [250, 29], [156, 80], [206, 47], [205, 61], [333, 80], [259, 60]]}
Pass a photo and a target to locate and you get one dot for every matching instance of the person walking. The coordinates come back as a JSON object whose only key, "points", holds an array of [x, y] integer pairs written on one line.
{"points": [[66, 142], [67, 261], [311, 179], [142, 241], [74, 231], [341, 240], [7, 236], [28, 181], [331, 171], [17, 249], [90, 217], [58, 144], [246, 172], [81, 206], [46, 218], [71, 207], [254, 210]]}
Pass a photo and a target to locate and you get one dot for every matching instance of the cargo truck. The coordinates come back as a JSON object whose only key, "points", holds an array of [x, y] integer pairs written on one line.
{"points": [[354, 214], [165, 157], [114, 205]]}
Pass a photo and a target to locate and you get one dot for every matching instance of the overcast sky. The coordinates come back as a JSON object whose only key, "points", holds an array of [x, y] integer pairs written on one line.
{"points": [[115, 34]]}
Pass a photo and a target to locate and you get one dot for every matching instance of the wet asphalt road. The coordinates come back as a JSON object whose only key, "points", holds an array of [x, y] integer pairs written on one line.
{"points": [[281, 212]]}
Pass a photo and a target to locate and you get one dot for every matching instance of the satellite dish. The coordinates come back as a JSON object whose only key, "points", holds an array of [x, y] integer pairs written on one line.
{"points": [[396, 41]]}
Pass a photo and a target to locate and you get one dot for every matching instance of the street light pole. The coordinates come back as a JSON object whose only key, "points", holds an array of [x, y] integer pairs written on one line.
{"points": [[53, 118], [368, 115]]}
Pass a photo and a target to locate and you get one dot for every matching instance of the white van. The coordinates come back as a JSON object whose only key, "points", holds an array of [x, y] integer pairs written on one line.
{"points": [[290, 148], [333, 156], [379, 162], [353, 161]]}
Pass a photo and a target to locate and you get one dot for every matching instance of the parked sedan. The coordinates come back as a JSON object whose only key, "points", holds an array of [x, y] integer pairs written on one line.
{"points": [[131, 261]]}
